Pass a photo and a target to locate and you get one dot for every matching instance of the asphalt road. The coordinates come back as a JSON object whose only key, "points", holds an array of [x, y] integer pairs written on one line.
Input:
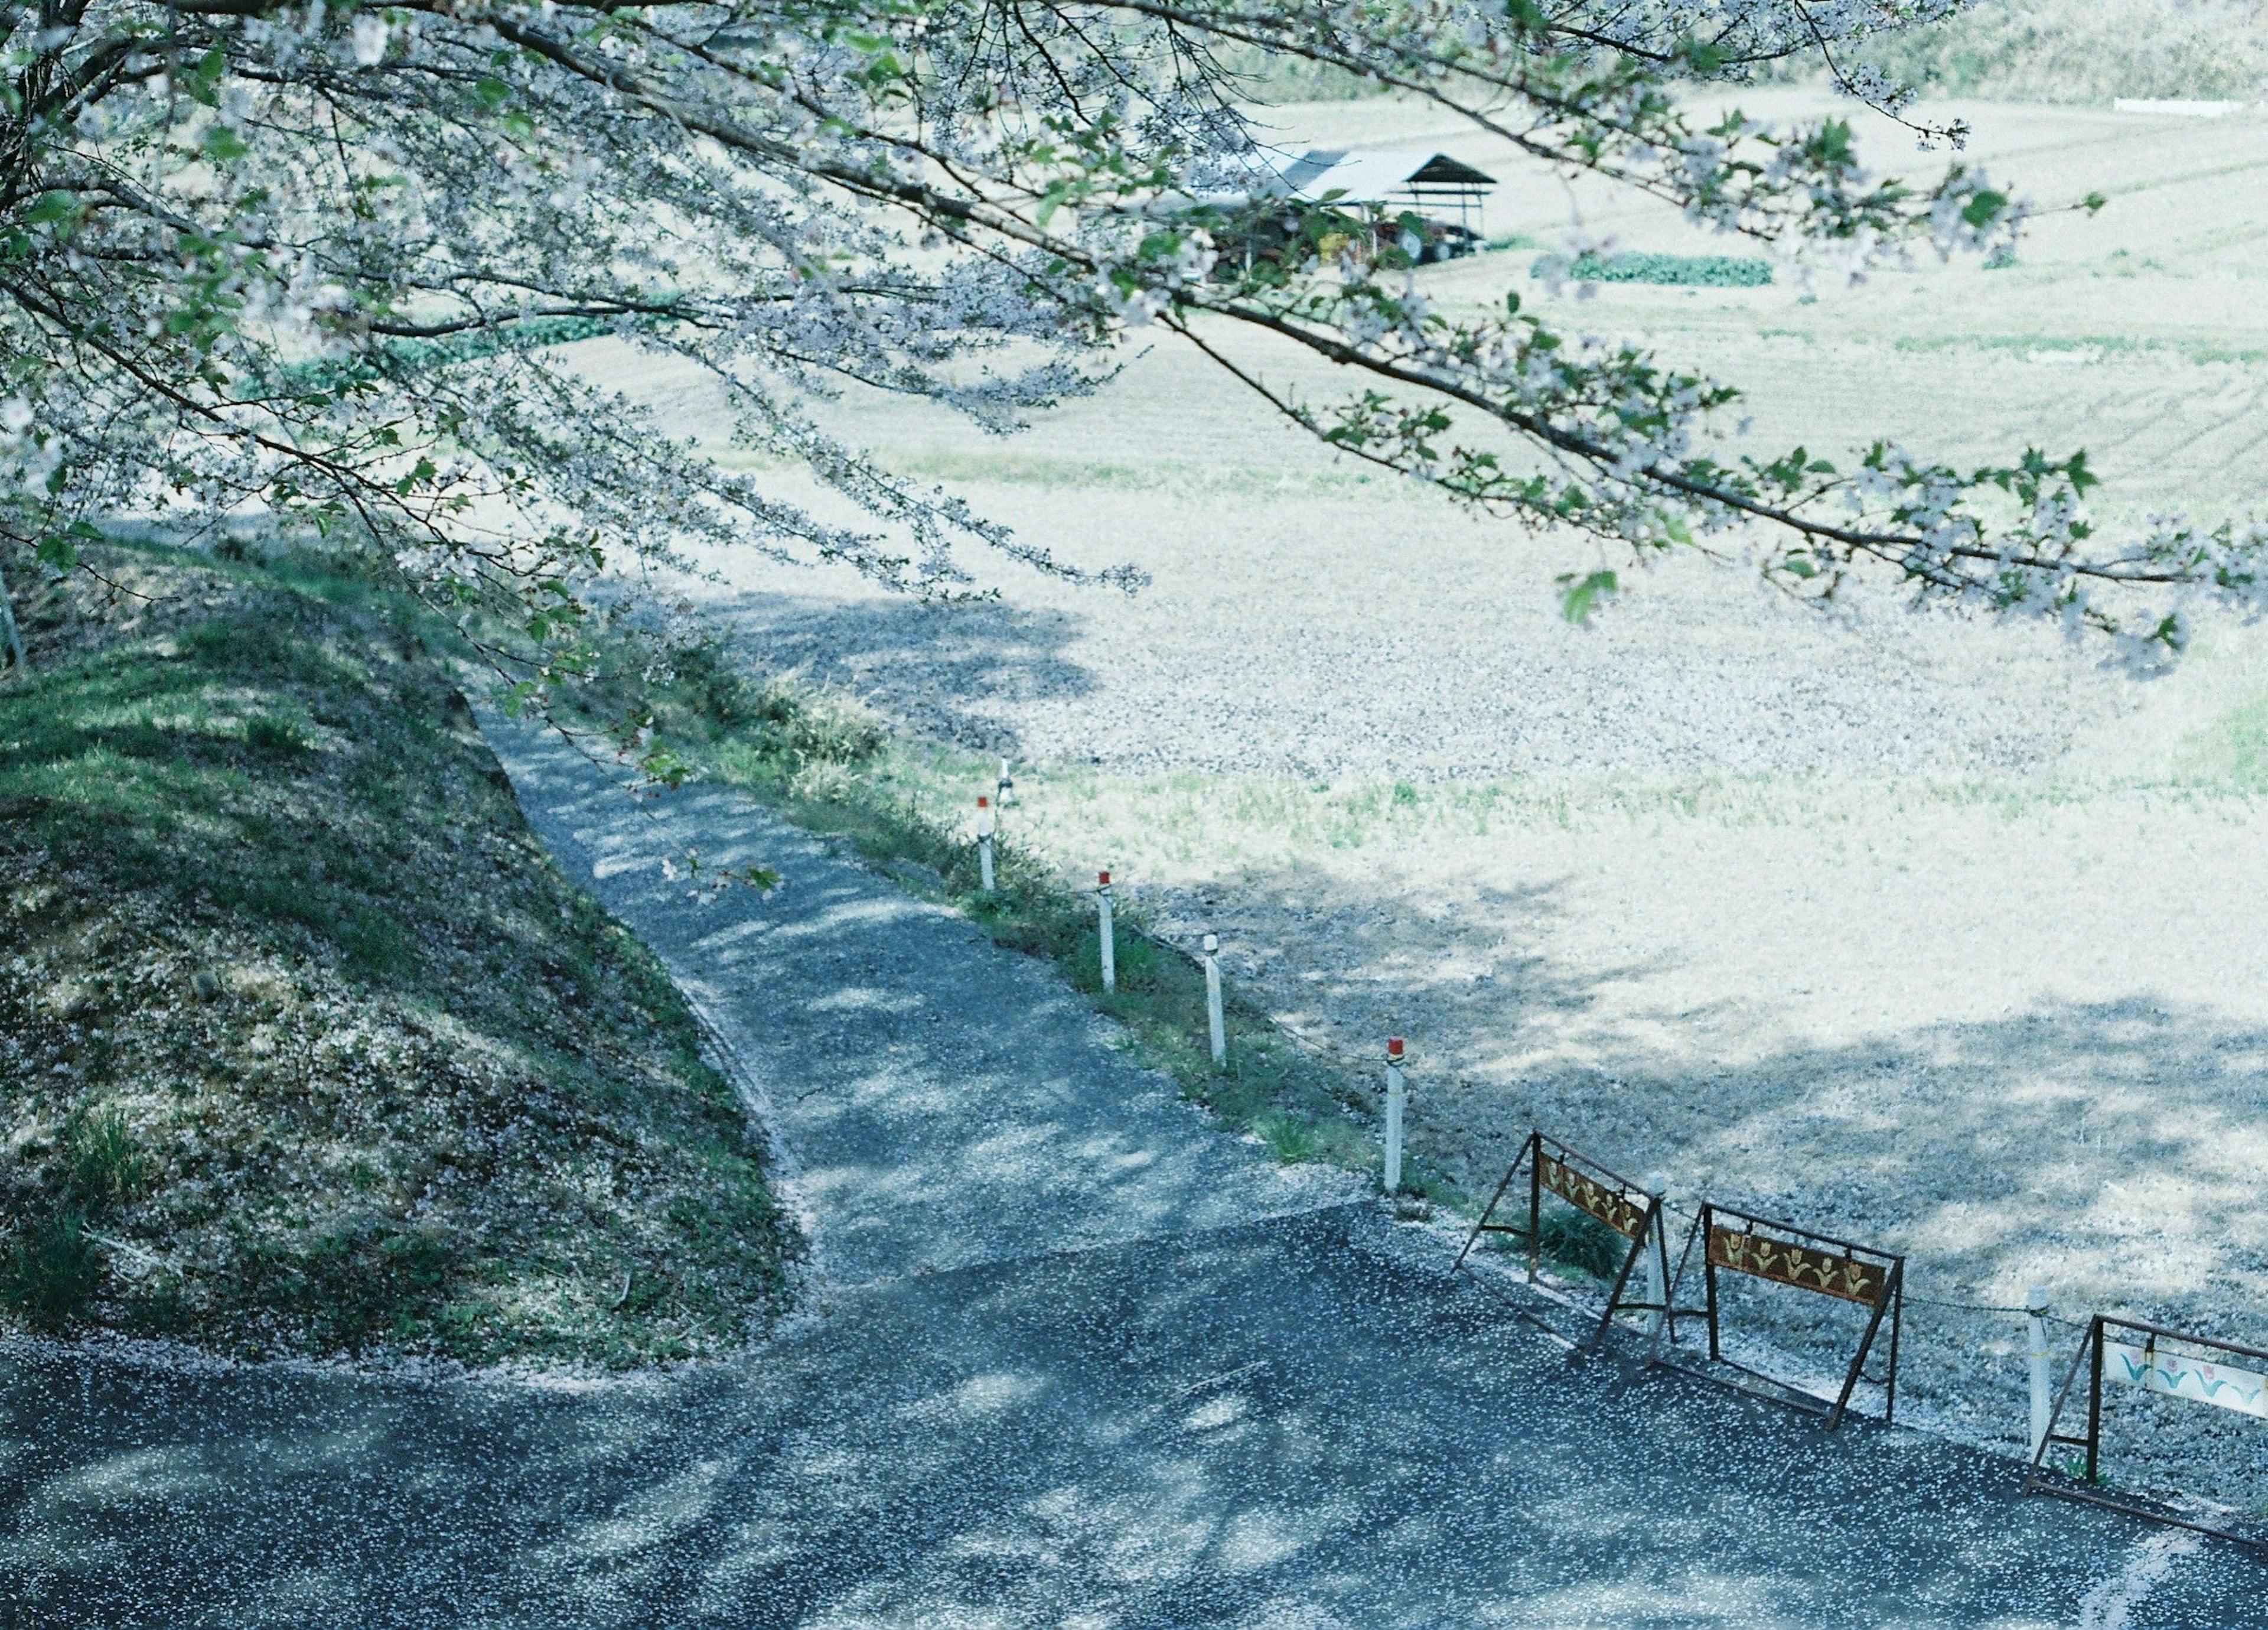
{"points": [[1073, 1359]]}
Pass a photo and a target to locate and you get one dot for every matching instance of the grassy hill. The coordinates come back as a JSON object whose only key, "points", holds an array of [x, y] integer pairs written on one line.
{"points": [[306, 1047], [2084, 51]]}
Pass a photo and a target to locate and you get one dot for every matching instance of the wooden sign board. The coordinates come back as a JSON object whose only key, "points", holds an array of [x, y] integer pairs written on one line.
{"points": [[2151, 1368], [1785, 1262], [1785, 1254], [2154, 1371], [1616, 1209], [1596, 1191]]}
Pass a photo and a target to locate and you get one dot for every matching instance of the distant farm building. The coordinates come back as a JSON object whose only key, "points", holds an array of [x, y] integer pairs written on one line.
{"points": [[1434, 187], [1445, 192]]}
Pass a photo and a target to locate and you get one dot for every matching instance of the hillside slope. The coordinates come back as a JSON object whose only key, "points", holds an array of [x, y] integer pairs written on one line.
{"points": [[306, 1047], [2084, 51]]}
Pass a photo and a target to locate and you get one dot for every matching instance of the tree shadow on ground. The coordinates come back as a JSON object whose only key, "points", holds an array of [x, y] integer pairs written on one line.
{"points": [[2111, 1150], [1298, 1420], [1334, 959], [946, 671], [1288, 1422], [2113, 1144]]}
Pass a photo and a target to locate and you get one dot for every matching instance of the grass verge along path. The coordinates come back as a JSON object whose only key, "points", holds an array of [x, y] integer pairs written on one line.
{"points": [[832, 766], [305, 1046]]}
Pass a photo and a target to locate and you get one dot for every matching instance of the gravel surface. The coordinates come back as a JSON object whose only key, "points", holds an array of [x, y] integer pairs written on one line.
{"points": [[1242, 1399], [1303, 621], [1309, 651], [2024, 1046], [1928, 933]]}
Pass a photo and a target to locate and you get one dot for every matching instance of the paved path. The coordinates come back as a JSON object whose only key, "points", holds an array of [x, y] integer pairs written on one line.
{"points": [[1077, 1360]]}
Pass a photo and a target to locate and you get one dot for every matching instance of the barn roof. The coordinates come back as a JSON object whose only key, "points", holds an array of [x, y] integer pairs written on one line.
{"points": [[1442, 171], [1374, 177]]}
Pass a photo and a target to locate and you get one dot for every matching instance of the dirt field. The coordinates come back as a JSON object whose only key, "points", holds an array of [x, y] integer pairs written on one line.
{"points": [[1927, 933]]}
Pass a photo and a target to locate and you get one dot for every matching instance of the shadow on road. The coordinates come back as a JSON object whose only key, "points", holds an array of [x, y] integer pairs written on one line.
{"points": [[953, 672], [1115, 1370]]}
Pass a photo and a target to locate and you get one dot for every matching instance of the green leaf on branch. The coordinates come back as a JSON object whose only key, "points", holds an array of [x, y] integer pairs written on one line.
{"points": [[1984, 208], [1578, 599], [54, 208], [224, 145], [202, 80]]}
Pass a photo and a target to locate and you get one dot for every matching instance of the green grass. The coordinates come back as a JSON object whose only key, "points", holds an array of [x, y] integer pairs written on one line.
{"points": [[2108, 344], [1187, 480], [2032, 344], [1697, 272], [49, 1270], [306, 1046], [105, 1167], [898, 805], [2232, 752], [1575, 1239], [1572, 1241]]}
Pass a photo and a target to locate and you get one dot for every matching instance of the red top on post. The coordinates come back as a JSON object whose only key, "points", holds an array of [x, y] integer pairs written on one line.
{"points": [[1102, 880], [983, 803], [1394, 1050]]}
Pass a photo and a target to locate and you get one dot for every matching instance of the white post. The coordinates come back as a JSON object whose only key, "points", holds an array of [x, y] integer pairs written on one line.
{"points": [[1394, 1096], [1110, 940], [1212, 1004], [2035, 1310], [984, 844], [1004, 790]]}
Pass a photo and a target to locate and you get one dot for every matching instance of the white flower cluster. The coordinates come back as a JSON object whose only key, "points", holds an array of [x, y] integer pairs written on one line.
{"points": [[1136, 289], [28, 460], [337, 248]]}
